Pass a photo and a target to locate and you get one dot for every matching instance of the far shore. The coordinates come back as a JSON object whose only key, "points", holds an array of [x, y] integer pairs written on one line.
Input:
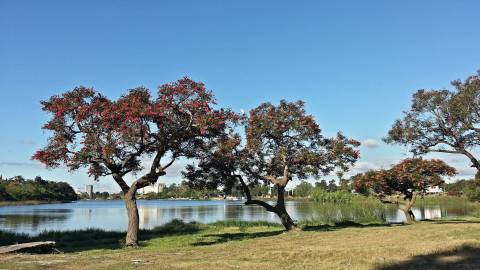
{"points": [[30, 202]]}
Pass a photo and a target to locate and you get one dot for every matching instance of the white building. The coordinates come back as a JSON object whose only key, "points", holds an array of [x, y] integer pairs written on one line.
{"points": [[434, 190], [155, 188]]}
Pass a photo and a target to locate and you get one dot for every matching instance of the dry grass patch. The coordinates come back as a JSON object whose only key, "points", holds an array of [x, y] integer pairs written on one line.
{"points": [[426, 245]]}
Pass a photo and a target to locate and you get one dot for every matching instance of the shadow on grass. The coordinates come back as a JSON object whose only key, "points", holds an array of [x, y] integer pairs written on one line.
{"points": [[89, 239], [226, 237], [462, 257], [212, 239], [345, 224], [451, 221]]}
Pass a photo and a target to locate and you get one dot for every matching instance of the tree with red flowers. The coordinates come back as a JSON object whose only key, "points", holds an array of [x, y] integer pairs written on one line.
{"points": [[408, 178], [443, 121], [136, 134], [283, 143]]}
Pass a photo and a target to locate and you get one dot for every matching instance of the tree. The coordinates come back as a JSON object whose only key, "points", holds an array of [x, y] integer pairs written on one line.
{"points": [[20, 189], [344, 183], [442, 121], [303, 189], [332, 186], [131, 135], [322, 185], [408, 178], [282, 143]]}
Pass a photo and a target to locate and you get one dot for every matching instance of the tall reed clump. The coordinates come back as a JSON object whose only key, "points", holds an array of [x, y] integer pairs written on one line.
{"points": [[341, 206], [443, 200], [319, 195]]}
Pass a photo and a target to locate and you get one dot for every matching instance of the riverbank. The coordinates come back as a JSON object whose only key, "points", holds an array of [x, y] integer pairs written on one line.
{"points": [[453, 244], [31, 202]]}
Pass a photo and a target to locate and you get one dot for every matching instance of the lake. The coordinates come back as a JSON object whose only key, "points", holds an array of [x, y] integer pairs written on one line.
{"points": [[111, 215]]}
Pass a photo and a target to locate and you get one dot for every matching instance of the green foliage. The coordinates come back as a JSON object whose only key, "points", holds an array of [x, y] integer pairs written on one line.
{"points": [[242, 223], [466, 188], [182, 190], [176, 226], [320, 195], [341, 206], [303, 189], [473, 194], [332, 187], [442, 200], [96, 238], [322, 185], [20, 189], [356, 208]]}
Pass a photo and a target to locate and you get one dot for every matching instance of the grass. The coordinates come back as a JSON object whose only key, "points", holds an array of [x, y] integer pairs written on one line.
{"points": [[444, 200], [246, 224], [81, 240], [437, 244], [334, 207], [357, 208]]}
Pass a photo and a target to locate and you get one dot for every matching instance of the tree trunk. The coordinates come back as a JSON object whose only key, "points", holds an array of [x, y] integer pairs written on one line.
{"points": [[133, 220], [281, 211], [477, 176], [278, 209], [407, 209]]}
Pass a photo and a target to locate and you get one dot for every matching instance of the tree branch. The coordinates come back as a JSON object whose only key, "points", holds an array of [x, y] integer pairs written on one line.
{"points": [[169, 163], [123, 185], [444, 151], [249, 201]]}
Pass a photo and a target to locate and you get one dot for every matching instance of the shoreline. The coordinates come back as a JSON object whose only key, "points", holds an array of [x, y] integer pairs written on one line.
{"points": [[29, 202]]}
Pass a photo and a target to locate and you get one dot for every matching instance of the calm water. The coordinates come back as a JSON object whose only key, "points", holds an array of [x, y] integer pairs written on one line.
{"points": [[111, 215]]}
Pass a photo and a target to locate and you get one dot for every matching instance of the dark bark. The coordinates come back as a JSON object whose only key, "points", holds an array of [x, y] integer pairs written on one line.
{"points": [[130, 199], [282, 213], [410, 197], [278, 209], [131, 239]]}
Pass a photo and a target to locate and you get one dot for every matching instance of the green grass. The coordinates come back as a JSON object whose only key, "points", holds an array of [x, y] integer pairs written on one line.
{"points": [[241, 223], [443, 200], [356, 208], [346, 245], [88, 239], [319, 195]]}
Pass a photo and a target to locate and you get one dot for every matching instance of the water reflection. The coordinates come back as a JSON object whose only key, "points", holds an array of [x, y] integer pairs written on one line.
{"points": [[111, 215]]}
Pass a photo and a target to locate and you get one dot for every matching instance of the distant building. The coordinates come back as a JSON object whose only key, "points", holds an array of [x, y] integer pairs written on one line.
{"points": [[155, 188], [89, 190], [434, 190]]}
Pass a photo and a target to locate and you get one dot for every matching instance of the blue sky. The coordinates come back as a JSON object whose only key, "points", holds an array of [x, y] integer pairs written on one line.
{"points": [[355, 63]]}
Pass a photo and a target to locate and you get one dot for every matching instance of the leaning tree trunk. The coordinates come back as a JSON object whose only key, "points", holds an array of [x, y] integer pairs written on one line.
{"points": [[407, 209], [278, 209], [133, 220], [281, 211]]}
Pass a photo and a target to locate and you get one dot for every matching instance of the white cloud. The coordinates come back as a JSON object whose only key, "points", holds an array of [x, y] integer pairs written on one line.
{"points": [[18, 164], [370, 143], [364, 166], [459, 162], [27, 142]]}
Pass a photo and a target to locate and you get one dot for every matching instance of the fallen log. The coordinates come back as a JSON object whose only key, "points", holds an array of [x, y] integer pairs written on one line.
{"points": [[32, 247]]}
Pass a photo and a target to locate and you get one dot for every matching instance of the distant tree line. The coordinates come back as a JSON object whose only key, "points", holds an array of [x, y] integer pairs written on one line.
{"points": [[100, 196], [184, 190], [18, 188], [466, 188], [305, 189]]}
